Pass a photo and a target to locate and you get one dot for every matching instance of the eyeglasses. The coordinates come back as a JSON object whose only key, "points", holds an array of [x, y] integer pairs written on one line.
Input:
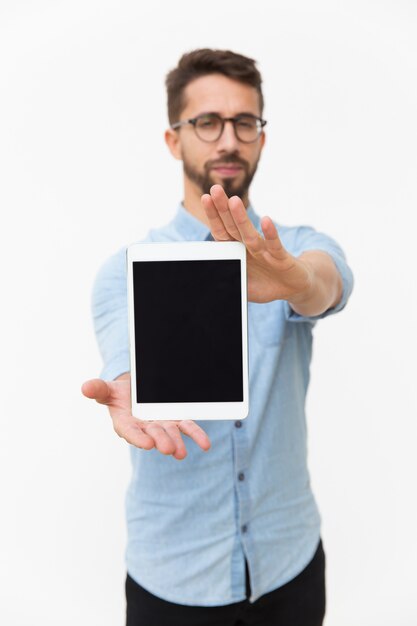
{"points": [[209, 126]]}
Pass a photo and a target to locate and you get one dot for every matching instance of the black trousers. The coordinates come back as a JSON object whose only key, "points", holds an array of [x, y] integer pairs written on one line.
{"points": [[300, 602]]}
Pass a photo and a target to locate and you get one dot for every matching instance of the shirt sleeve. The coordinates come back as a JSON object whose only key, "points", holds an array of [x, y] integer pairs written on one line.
{"points": [[307, 238], [110, 316]]}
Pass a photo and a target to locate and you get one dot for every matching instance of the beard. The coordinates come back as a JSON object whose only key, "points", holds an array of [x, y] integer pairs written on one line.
{"points": [[205, 181]]}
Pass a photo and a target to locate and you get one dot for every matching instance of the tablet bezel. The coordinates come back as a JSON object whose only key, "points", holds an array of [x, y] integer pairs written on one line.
{"points": [[188, 251]]}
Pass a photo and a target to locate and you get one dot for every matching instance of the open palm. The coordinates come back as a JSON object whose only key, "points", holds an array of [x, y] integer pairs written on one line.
{"points": [[164, 435], [273, 273]]}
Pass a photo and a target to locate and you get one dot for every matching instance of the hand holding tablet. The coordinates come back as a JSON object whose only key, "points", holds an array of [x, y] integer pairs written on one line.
{"points": [[165, 436], [203, 295]]}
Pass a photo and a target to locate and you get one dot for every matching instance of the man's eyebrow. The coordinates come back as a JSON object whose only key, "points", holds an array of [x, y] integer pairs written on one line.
{"points": [[250, 113]]}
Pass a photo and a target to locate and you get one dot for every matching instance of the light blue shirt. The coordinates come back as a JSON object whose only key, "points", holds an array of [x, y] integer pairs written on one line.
{"points": [[191, 523]]}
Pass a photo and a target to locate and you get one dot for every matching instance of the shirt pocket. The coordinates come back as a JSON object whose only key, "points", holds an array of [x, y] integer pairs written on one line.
{"points": [[267, 322]]}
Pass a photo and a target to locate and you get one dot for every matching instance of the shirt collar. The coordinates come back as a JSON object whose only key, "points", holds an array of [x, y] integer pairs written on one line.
{"points": [[193, 230]]}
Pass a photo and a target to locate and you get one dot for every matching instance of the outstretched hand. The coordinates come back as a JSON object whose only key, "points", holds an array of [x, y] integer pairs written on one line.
{"points": [[273, 273], [163, 435]]}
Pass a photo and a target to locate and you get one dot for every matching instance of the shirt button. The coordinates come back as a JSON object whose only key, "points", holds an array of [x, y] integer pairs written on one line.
{"points": [[238, 424], [244, 528], [241, 476]]}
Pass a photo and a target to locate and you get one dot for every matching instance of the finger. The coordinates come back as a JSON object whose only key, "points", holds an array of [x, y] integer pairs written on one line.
{"points": [[197, 434], [221, 203], [97, 390], [272, 241], [133, 433], [173, 431], [163, 442], [252, 239], [217, 227]]}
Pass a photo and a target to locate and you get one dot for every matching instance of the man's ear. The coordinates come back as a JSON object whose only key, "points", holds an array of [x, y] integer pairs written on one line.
{"points": [[172, 140]]}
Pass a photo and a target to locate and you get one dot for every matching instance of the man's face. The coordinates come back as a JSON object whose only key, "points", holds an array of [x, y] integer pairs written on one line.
{"points": [[227, 161]]}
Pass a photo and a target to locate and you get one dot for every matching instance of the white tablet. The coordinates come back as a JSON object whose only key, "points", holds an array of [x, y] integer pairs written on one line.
{"points": [[188, 330]]}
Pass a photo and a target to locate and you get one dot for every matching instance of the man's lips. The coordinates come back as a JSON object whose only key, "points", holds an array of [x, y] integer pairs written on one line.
{"points": [[227, 169]]}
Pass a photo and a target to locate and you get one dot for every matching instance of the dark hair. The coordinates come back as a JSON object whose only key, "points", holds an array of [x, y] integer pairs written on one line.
{"points": [[205, 61]]}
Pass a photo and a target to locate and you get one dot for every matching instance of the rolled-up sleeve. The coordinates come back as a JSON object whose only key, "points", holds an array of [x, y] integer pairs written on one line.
{"points": [[110, 316], [307, 238]]}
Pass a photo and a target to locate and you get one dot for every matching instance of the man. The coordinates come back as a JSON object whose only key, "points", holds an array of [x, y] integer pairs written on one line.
{"points": [[231, 535]]}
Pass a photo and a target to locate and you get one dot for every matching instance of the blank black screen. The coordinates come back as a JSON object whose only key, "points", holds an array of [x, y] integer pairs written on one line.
{"points": [[188, 331]]}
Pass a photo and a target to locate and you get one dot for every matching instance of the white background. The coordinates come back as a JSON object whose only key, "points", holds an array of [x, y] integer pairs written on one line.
{"points": [[84, 171]]}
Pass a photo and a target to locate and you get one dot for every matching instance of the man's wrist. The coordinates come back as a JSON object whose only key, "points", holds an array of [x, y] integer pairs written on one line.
{"points": [[325, 289], [305, 295]]}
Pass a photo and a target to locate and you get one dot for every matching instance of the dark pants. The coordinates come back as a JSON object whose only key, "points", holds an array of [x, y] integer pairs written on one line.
{"points": [[300, 602]]}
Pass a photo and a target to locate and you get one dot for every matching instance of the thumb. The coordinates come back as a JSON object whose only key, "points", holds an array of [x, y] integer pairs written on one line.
{"points": [[96, 389]]}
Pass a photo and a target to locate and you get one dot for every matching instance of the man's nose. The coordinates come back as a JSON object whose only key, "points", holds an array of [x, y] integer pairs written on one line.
{"points": [[228, 141]]}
